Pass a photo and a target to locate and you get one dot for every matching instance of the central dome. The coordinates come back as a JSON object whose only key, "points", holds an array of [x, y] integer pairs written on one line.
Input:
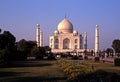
{"points": [[65, 26]]}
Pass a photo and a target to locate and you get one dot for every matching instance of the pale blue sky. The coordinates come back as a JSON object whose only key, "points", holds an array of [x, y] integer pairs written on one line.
{"points": [[21, 16]]}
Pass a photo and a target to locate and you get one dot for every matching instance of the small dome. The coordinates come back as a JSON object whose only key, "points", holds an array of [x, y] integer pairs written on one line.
{"points": [[65, 26], [75, 32], [56, 32]]}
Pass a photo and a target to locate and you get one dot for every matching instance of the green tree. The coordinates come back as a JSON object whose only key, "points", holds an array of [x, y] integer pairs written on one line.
{"points": [[7, 40], [24, 47], [39, 52], [7, 46], [47, 49], [116, 45], [35, 51], [109, 51]]}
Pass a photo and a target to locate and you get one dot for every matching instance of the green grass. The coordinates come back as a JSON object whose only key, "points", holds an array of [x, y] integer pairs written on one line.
{"points": [[32, 71]]}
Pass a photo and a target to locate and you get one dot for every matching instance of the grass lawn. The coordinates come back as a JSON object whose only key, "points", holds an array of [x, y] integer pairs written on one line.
{"points": [[32, 71], [45, 70]]}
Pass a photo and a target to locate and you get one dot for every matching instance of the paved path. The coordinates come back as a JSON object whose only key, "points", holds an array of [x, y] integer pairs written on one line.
{"points": [[109, 59]]}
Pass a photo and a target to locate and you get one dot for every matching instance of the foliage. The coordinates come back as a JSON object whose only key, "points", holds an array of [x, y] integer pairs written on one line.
{"points": [[109, 51], [35, 51], [51, 56], [116, 45], [7, 41], [84, 71], [40, 52], [47, 49], [29, 48], [0, 30], [75, 57], [7, 46], [97, 59], [117, 61], [24, 48], [75, 69]]}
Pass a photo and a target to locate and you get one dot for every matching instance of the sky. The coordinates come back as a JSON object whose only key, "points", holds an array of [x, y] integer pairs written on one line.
{"points": [[21, 16]]}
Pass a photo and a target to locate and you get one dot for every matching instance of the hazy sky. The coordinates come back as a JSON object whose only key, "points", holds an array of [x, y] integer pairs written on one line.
{"points": [[21, 16]]}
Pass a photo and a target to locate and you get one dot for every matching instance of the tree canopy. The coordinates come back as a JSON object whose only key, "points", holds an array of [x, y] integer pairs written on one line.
{"points": [[11, 50], [0, 30], [7, 46], [116, 45], [24, 47]]}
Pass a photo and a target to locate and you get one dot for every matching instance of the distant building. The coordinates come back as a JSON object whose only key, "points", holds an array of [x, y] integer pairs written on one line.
{"points": [[66, 39]]}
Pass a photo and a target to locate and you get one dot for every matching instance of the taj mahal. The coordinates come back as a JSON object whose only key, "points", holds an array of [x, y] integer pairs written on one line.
{"points": [[66, 39]]}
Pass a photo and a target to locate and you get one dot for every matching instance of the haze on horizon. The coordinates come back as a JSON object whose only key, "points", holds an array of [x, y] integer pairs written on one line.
{"points": [[21, 16]]}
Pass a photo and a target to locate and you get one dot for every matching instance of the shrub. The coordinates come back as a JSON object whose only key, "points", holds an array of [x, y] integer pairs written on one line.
{"points": [[117, 61], [97, 59], [75, 57], [39, 57], [74, 69], [51, 57]]}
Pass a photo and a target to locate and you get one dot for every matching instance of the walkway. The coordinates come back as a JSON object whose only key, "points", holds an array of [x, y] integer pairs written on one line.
{"points": [[108, 59]]}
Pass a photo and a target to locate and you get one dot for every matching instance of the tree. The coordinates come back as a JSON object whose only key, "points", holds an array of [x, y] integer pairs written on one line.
{"points": [[116, 45], [0, 30], [41, 53], [35, 51], [24, 47], [109, 51], [7, 40], [47, 49], [7, 46]]}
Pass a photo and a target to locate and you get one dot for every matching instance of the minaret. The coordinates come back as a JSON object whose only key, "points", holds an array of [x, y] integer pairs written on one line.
{"points": [[41, 39], [85, 40], [38, 35], [96, 40]]}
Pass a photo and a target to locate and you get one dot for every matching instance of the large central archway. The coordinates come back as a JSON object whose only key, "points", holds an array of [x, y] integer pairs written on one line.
{"points": [[66, 43]]}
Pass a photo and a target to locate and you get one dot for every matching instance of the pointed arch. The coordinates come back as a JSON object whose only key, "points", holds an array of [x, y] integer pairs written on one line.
{"points": [[66, 43]]}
